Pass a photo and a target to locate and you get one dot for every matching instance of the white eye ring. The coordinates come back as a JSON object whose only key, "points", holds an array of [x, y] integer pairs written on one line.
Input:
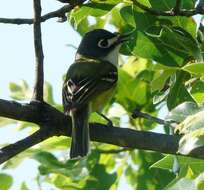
{"points": [[104, 43]]}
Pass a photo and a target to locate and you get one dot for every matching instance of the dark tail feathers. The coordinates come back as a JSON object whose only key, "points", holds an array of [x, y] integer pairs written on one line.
{"points": [[80, 132]]}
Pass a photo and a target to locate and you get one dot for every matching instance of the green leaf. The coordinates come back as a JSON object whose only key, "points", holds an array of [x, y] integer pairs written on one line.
{"points": [[199, 182], [48, 160], [127, 15], [182, 111], [196, 165], [177, 95], [48, 93], [162, 48], [20, 92], [176, 40], [191, 123], [166, 5], [90, 9], [5, 181], [197, 91], [195, 68], [159, 82], [178, 92], [64, 183], [183, 183], [100, 179], [144, 177], [24, 186], [192, 140]]}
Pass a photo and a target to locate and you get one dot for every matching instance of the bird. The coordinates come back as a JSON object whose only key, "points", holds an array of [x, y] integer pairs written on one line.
{"points": [[90, 83]]}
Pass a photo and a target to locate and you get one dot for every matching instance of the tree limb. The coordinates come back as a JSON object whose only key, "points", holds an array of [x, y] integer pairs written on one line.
{"points": [[137, 113], [54, 123], [177, 7], [60, 13], [181, 12], [39, 57]]}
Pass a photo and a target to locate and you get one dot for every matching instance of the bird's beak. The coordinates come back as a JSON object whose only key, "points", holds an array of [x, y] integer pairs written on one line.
{"points": [[124, 37]]}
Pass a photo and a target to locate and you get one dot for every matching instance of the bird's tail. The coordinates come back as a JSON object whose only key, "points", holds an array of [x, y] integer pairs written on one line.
{"points": [[80, 132]]}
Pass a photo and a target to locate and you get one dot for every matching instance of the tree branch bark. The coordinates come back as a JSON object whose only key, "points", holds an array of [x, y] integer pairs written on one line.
{"points": [[177, 7], [181, 12], [54, 123], [39, 57], [60, 13]]}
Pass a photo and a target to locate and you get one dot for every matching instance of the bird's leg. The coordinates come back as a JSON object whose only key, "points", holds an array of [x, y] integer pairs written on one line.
{"points": [[110, 123]]}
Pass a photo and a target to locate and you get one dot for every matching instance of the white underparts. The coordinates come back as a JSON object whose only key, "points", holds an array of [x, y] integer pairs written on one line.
{"points": [[112, 57]]}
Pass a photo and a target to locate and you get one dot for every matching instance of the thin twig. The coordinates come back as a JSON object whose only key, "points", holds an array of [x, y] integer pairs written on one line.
{"points": [[138, 113], [59, 13], [39, 57], [177, 7], [182, 12]]}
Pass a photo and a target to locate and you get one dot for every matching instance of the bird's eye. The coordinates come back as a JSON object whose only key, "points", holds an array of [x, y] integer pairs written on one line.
{"points": [[103, 43]]}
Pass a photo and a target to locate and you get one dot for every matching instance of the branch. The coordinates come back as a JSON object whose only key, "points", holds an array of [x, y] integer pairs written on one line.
{"points": [[177, 7], [54, 123], [181, 12], [137, 113], [60, 13], [13, 149], [39, 57]]}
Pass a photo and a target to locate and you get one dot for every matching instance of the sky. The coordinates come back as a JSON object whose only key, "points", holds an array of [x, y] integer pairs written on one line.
{"points": [[17, 62]]}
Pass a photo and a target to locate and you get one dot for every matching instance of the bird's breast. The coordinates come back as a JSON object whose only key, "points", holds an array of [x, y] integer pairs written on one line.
{"points": [[99, 101]]}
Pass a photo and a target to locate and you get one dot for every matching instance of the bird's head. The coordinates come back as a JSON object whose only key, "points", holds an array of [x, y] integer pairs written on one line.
{"points": [[101, 44]]}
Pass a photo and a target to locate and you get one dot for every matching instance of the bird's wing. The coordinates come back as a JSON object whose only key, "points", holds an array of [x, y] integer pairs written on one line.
{"points": [[82, 85]]}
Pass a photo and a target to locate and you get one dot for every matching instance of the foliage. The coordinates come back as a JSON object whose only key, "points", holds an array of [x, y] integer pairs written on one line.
{"points": [[163, 67]]}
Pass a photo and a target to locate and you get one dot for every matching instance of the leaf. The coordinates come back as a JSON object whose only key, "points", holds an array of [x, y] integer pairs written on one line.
{"points": [[159, 82], [143, 177], [191, 140], [178, 92], [183, 183], [20, 92], [127, 15], [100, 179], [157, 47], [195, 68], [24, 186], [160, 96], [197, 91], [177, 95], [48, 93], [176, 40], [199, 182], [191, 125], [90, 9], [166, 5], [182, 111], [196, 165], [5, 181], [48, 160]]}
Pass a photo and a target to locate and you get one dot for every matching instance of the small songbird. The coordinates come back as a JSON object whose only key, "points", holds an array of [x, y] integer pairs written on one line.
{"points": [[90, 83]]}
